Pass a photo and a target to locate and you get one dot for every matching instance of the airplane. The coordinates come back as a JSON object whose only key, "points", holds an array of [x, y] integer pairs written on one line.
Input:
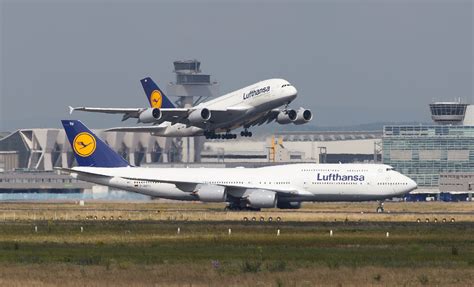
{"points": [[281, 186], [256, 104]]}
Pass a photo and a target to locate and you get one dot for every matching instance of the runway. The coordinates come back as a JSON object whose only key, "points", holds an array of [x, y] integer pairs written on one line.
{"points": [[172, 211]]}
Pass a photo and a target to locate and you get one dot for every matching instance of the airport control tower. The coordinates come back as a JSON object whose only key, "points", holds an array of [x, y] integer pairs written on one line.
{"points": [[191, 87], [452, 113]]}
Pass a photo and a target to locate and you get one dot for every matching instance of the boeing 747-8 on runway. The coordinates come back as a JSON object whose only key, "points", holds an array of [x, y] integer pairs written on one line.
{"points": [[283, 186], [256, 104]]}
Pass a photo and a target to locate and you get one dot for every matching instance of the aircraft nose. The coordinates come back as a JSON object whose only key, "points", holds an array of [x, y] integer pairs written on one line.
{"points": [[412, 184], [291, 92]]}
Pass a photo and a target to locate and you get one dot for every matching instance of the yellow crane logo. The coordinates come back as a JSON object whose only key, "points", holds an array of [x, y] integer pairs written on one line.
{"points": [[156, 99], [84, 144]]}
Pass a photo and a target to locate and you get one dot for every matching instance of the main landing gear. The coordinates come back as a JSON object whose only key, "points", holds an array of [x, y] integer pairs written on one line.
{"points": [[227, 136], [213, 135], [380, 207], [238, 206], [245, 133]]}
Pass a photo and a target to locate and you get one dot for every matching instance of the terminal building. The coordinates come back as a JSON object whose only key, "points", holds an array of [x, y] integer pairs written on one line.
{"points": [[292, 147], [434, 155]]}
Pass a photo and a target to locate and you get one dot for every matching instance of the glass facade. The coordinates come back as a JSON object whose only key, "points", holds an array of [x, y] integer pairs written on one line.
{"points": [[423, 152], [187, 66], [193, 79], [448, 109], [448, 113]]}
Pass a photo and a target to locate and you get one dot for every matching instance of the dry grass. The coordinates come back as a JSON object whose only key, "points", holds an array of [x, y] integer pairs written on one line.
{"points": [[205, 275], [172, 211]]}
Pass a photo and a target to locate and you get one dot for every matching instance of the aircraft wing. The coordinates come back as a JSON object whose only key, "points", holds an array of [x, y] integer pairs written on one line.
{"points": [[182, 183], [127, 112], [223, 115], [267, 117], [180, 115], [141, 129], [186, 184], [173, 115], [169, 114]]}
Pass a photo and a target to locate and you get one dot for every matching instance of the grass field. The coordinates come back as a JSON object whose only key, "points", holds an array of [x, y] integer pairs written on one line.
{"points": [[137, 244], [152, 253]]}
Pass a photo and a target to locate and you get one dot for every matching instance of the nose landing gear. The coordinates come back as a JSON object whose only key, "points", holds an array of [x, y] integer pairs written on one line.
{"points": [[245, 133]]}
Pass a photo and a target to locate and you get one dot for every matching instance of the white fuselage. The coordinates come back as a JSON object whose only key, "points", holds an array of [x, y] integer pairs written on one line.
{"points": [[256, 99], [296, 182]]}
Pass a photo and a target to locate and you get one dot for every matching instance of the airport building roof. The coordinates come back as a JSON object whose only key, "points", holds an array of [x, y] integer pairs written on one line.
{"points": [[329, 135], [44, 149]]}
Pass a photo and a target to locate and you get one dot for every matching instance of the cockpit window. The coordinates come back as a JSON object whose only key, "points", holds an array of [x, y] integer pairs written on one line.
{"points": [[390, 168], [286, 85]]}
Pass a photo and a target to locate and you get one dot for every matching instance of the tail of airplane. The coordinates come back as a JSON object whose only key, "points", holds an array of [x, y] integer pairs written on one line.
{"points": [[155, 95], [89, 150]]}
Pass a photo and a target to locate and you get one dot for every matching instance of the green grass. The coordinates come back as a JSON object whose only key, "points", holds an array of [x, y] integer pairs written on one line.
{"points": [[253, 247], [140, 253]]}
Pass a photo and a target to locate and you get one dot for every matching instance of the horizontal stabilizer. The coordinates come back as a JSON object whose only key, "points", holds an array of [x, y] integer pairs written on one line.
{"points": [[82, 172]]}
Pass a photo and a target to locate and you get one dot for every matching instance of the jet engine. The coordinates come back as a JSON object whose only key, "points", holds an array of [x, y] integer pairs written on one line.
{"points": [[303, 116], [286, 117], [150, 115], [261, 198], [211, 193], [289, 204], [199, 116]]}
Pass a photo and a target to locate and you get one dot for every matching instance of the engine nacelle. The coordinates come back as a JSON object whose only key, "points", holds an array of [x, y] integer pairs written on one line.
{"points": [[261, 198], [199, 116], [303, 116], [211, 193], [150, 115], [289, 205], [286, 117]]}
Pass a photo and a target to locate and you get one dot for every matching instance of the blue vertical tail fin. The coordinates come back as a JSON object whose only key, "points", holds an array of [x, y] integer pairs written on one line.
{"points": [[88, 149], [155, 95]]}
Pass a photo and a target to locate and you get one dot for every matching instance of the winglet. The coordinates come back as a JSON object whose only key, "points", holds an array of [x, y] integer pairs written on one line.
{"points": [[71, 109], [155, 95], [88, 149]]}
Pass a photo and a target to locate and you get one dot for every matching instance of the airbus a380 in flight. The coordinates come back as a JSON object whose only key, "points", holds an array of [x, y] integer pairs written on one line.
{"points": [[283, 186], [256, 104]]}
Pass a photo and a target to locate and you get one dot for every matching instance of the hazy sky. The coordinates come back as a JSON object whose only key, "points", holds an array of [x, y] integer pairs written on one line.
{"points": [[351, 61]]}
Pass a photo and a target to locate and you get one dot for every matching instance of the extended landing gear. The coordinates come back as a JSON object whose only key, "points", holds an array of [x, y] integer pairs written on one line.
{"points": [[245, 133], [380, 207], [234, 206], [213, 135], [227, 136]]}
